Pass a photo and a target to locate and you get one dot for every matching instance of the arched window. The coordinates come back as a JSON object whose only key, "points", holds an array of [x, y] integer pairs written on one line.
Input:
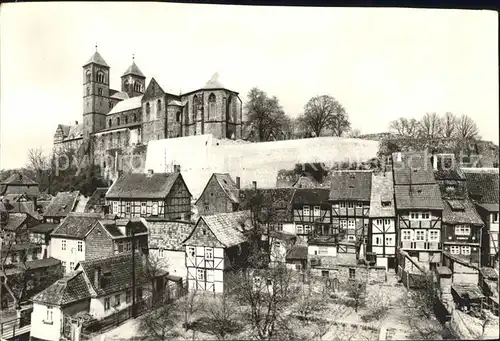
{"points": [[126, 119], [178, 116], [137, 86], [134, 118], [117, 121], [211, 106], [88, 91], [109, 123], [100, 77], [158, 105], [87, 76], [195, 107], [148, 110], [126, 85], [99, 91]]}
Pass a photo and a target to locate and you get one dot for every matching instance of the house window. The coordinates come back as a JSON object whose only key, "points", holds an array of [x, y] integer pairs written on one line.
{"points": [[13, 258], [462, 230], [148, 207], [299, 229], [63, 244], [322, 250], [325, 273], [200, 274], [279, 227], [494, 218], [419, 235], [87, 76], [305, 211], [120, 247], [128, 246], [351, 238], [343, 224], [49, 314], [178, 116], [158, 105], [359, 204], [160, 253], [466, 250], [107, 303], [127, 207], [64, 265], [148, 110], [298, 267], [379, 222], [455, 250], [352, 273], [316, 211], [426, 215], [406, 235], [389, 241], [343, 204], [80, 246], [209, 253], [154, 209], [387, 222], [210, 275], [128, 296], [71, 266], [143, 207], [115, 207], [414, 216], [117, 300], [350, 204], [433, 235], [378, 240], [191, 252], [351, 224]]}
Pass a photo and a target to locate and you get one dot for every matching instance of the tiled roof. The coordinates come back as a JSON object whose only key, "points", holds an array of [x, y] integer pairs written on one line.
{"points": [[276, 200], [71, 288], [460, 212], [116, 272], [65, 129], [43, 228], [136, 185], [96, 59], [418, 197], [23, 207], [62, 204], [21, 247], [168, 235], [127, 104], [483, 184], [133, 70], [228, 185], [42, 263], [15, 220], [18, 179], [305, 181], [382, 191], [112, 226], [75, 132], [323, 240], [351, 185], [121, 95], [489, 207], [214, 83], [310, 195], [472, 290], [96, 200], [297, 252], [76, 225], [412, 167], [490, 273], [227, 227]]}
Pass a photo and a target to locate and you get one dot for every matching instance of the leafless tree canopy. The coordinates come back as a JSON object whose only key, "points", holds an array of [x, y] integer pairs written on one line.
{"points": [[405, 127], [159, 324], [449, 124], [37, 160], [431, 126], [467, 128]]}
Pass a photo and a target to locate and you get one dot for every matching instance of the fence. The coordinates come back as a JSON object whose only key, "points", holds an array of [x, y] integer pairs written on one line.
{"points": [[17, 326]]}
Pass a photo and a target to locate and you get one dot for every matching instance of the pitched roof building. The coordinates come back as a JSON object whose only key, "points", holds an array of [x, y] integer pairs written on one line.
{"points": [[19, 184], [63, 204]]}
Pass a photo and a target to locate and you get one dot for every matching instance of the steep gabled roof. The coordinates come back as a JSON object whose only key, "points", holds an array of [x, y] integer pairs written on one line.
{"points": [[227, 184], [412, 167], [126, 105], [62, 204], [19, 179], [145, 186], [351, 185], [168, 235], [133, 69], [76, 225], [382, 191], [425, 197], [97, 199], [69, 289], [153, 90], [96, 59], [460, 212]]}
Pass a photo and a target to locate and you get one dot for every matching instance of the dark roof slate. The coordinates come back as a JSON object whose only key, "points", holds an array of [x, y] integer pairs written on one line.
{"points": [[19, 180], [71, 288], [43, 228], [96, 200], [351, 185], [229, 228], [97, 59], [168, 235], [147, 186], [418, 197], [276, 200], [310, 196], [133, 69], [62, 204], [297, 252], [460, 212], [228, 185], [76, 225], [412, 167], [483, 185]]}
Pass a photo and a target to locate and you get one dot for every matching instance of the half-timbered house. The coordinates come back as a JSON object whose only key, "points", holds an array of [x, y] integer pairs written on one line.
{"points": [[382, 228], [150, 195], [312, 212], [483, 188], [217, 245], [63, 204], [350, 196], [19, 184], [219, 196], [418, 208]]}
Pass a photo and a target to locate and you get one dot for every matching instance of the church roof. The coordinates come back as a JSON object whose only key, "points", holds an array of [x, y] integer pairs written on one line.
{"points": [[97, 59], [127, 104], [214, 83], [133, 70], [118, 94]]}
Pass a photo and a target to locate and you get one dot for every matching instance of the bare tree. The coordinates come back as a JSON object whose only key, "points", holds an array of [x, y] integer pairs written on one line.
{"points": [[307, 305], [357, 291], [449, 124], [354, 133], [422, 300], [467, 128], [221, 319], [405, 127], [159, 324], [189, 305], [431, 126], [37, 160], [322, 327], [340, 124]]}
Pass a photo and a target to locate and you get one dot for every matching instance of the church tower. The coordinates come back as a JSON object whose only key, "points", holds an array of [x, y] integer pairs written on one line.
{"points": [[95, 95], [133, 80]]}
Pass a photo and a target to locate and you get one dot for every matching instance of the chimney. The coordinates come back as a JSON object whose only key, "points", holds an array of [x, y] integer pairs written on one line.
{"points": [[97, 278], [177, 168], [238, 182], [254, 184], [76, 122]]}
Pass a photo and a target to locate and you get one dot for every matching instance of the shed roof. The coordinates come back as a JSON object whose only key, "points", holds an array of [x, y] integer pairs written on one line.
{"points": [[147, 186], [351, 185], [97, 200], [43, 228], [297, 252]]}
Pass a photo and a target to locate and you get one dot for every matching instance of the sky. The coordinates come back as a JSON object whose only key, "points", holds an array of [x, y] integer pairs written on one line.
{"points": [[380, 64]]}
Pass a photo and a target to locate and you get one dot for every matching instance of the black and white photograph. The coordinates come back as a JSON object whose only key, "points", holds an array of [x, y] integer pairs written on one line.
{"points": [[195, 171]]}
